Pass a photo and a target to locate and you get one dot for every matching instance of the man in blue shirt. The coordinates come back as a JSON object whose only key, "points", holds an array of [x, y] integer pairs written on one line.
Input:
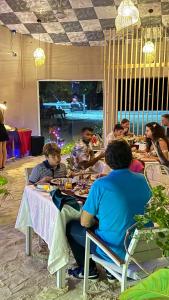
{"points": [[114, 200]]}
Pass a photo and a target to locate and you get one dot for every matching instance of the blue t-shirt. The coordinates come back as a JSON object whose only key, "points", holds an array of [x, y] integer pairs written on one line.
{"points": [[115, 200]]}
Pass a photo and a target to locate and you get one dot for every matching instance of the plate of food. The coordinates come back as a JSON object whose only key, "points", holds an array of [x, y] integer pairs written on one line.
{"points": [[58, 181], [44, 188], [82, 193]]}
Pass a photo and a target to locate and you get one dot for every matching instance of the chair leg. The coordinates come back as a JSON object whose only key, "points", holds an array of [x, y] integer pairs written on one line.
{"points": [[86, 266], [124, 277], [28, 241]]}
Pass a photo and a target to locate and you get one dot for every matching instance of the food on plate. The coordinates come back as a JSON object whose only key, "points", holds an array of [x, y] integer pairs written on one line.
{"points": [[45, 187], [83, 192]]}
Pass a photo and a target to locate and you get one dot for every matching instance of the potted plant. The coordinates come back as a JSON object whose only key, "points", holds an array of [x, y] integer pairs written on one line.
{"points": [[155, 286], [4, 193]]}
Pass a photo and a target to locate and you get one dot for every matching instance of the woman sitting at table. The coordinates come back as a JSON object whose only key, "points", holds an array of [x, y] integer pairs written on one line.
{"points": [[157, 142], [51, 168], [117, 133]]}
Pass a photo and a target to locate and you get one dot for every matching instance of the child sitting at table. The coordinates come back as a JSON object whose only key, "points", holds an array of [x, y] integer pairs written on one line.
{"points": [[51, 168]]}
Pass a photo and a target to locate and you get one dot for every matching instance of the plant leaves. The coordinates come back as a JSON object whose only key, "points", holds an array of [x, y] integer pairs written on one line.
{"points": [[155, 286], [3, 180]]}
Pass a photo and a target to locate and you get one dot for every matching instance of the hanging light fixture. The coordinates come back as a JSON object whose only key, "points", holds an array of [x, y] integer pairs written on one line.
{"points": [[128, 15], [39, 54], [149, 47]]}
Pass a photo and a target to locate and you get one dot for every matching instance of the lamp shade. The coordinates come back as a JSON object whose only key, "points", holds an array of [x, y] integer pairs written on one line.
{"points": [[39, 56], [148, 47], [128, 15]]}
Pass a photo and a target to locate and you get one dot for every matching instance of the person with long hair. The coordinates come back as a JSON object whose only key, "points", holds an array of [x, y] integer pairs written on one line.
{"points": [[157, 142], [3, 139]]}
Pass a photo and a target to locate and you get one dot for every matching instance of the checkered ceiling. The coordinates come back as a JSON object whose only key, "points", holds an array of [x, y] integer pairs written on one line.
{"points": [[84, 23]]}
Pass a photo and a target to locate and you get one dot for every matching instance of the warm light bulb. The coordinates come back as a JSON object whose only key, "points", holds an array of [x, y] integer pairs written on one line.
{"points": [[3, 106], [128, 15], [148, 47], [39, 56]]}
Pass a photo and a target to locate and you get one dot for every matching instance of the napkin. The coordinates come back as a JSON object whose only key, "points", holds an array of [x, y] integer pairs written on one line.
{"points": [[60, 200]]}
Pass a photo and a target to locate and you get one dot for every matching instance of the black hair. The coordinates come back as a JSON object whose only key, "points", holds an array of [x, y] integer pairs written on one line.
{"points": [[86, 128], [166, 116], [118, 155], [158, 132], [124, 121], [117, 127]]}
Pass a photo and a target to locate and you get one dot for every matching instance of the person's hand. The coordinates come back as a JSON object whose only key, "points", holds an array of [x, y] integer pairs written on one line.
{"points": [[101, 155], [100, 175], [45, 179]]}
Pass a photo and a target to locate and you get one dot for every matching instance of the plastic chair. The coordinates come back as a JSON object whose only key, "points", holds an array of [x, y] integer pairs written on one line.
{"points": [[146, 253]]}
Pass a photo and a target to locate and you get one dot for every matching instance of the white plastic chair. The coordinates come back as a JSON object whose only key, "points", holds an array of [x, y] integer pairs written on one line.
{"points": [[27, 174], [146, 253], [157, 174]]}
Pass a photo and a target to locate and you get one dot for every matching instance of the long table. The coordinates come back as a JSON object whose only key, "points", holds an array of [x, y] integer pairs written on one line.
{"points": [[38, 212]]}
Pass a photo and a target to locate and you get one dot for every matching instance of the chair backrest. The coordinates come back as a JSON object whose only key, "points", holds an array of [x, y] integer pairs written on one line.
{"points": [[144, 249], [27, 174], [157, 174]]}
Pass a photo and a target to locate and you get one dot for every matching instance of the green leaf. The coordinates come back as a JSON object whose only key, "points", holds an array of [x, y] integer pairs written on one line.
{"points": [[155, 286], [3, 180]]}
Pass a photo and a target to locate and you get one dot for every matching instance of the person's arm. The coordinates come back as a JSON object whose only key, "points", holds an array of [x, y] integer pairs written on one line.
{"points": [[91, 206], [87, 220], [90, 163], [35, 177], [164, 148]]}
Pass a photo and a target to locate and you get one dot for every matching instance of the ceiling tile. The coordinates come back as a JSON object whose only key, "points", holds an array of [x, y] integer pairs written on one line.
{"points": [[26, 17], [147, 1], [106, 12], [17, 5], [19, 28], [70, 16], [91, 25], [9, 18], [35, 28], [4, 7], [107, 23], [85, 13], [60, 37], [47, 16], [154, 21], [54, 5], [77, 37], [144, 9], [95, 35], [45, 37], [165, 8], [165, 20], [81, 3], [54, 27], [103, 2], [72, 26]]}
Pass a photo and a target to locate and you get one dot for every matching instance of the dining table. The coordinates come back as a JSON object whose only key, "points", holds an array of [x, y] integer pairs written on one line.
{"points": [[38, 213]]}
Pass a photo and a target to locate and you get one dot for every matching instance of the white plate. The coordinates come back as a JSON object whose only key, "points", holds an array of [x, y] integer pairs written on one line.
{"points": [[41, 189], [57, 180], [82, 196]]}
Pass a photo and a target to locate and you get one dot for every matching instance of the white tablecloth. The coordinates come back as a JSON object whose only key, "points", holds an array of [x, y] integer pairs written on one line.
{"points": [[39, 212]]}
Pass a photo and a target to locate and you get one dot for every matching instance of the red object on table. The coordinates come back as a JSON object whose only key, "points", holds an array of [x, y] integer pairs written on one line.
{"points": [[25, 141]]}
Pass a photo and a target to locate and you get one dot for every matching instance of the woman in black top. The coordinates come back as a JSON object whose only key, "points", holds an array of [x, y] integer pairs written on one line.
{"points": [[3, 138]]}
